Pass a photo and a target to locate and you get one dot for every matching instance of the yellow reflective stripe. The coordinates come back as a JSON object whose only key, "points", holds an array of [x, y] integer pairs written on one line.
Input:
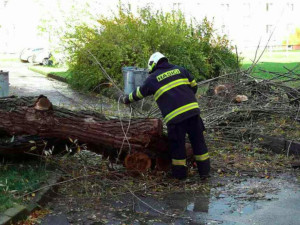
{"points": [[180, 110], [130, 97], [139, 94], [202, 157], [193, 83], [169, 86], [178, 162], [152, 66], [167, 74]]}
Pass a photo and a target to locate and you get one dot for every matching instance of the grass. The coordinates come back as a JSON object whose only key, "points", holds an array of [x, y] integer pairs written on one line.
{"points": [[275, 56], [275, 62], [6, 57], [18, 179], [49, 70], [9, 60]]}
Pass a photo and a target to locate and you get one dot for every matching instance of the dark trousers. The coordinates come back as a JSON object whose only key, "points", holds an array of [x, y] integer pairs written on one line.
{"points": [[194, 127]]}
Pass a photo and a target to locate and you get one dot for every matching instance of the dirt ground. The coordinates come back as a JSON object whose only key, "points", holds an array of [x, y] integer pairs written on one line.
{"points": [[230, 200], [248, 185]]}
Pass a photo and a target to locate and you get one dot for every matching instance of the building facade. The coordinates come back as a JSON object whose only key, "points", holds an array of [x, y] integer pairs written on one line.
{"points": [[246, 22]]}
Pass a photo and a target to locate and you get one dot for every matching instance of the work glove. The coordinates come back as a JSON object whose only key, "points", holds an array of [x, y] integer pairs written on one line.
{"points": [[125, 99]]}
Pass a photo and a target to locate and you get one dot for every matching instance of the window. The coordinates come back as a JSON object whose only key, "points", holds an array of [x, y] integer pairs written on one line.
{"points": [[5, 2], [290, 28], [247, 9], [225, 7], [269, 6], [246, 6], [290, 6], [177, 5], [223, 30], [246, 27], [269, 29]]}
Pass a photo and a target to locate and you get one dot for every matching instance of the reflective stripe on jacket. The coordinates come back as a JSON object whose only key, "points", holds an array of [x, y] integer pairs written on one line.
{"points": [[174, 91]]}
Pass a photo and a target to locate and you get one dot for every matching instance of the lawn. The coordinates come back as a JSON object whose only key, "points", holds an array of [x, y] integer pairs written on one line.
{"points": [[17, 179], [49, 70], [275, 62], [8, 58], [270, 63]]}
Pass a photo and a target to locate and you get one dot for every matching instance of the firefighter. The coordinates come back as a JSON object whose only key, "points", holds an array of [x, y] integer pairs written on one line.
{"points": [[174, 91]]}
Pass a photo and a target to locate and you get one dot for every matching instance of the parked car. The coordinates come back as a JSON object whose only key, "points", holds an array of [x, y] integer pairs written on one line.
{"points": [[35, 55], [42, 57]]}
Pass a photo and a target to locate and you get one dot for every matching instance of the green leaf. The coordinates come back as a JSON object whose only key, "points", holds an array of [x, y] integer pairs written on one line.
{"points": [[32, 148]]}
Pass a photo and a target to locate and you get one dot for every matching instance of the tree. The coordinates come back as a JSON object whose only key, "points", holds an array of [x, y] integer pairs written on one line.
{"points": [[293, 39], [128, 39]]}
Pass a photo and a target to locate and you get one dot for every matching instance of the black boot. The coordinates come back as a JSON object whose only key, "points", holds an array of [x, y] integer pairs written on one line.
{"points": [[179, 172], [203, 168]]}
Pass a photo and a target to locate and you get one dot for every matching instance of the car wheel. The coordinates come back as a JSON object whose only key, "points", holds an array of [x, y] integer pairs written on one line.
{"points": [[45, 62], [30, 59]]}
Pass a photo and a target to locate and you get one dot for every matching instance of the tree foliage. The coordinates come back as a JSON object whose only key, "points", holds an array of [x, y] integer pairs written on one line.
{"points": [[128, 40], [293, 39]]}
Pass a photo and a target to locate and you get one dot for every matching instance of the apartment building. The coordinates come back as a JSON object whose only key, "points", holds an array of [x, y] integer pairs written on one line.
{"points": [[245, 22], [248, 22]]}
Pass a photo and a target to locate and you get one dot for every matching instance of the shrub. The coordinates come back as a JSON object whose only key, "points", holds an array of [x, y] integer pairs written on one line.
{"points": [[129, 40]]}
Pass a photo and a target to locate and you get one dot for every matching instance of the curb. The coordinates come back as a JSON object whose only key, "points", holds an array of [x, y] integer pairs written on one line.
{"points": [[13, 214], [50, 75], [53, 76], [20, 212]]}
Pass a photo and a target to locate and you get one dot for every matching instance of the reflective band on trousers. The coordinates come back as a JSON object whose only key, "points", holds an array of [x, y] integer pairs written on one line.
{"points": [[202, 157], [131, 97], [193, 83], [169, 86], [138, 93], [180, 110], [178, 162]]}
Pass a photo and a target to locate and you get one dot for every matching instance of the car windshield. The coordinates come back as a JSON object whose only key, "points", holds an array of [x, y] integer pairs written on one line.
{"points": [[37, 49]]}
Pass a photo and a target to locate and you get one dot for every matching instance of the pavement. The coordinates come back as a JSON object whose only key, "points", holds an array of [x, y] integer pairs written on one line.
{"points": [[238, 201], [24, 82]]}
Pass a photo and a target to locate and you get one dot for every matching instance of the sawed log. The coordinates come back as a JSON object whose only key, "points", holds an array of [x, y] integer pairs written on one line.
{"points": [[37, 116]]}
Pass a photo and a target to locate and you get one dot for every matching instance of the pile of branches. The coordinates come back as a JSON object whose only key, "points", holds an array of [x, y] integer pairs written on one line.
{"points": [[236, 109], [242, 107], [237, 104]]}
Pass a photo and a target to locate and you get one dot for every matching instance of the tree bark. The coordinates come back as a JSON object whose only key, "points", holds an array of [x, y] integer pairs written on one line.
{"points": [[37, 116]]}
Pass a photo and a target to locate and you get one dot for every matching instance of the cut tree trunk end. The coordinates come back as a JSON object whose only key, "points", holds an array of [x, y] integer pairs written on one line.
{"points": [[137, 162], [37, 116]]}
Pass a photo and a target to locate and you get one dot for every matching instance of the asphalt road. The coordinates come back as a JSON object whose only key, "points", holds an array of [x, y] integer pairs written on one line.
{"points": [[24, 82]]}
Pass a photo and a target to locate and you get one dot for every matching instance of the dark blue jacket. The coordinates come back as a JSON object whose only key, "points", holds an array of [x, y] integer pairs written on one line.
{"points": [[174, 91]]}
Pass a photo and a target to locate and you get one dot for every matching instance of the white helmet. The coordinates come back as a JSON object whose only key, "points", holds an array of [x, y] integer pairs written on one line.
{"points": [[154, 58]]}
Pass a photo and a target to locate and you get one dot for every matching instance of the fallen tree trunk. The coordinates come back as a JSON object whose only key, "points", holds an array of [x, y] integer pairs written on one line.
{"points": [[280, 145], [37, 116], [15, 145]]}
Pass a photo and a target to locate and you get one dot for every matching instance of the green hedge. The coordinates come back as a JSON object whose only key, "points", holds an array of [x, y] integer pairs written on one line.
{"points": [[129, 40]]}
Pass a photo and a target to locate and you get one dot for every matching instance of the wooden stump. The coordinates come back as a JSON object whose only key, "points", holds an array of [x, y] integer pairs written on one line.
{"points": [[137, 162]]}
